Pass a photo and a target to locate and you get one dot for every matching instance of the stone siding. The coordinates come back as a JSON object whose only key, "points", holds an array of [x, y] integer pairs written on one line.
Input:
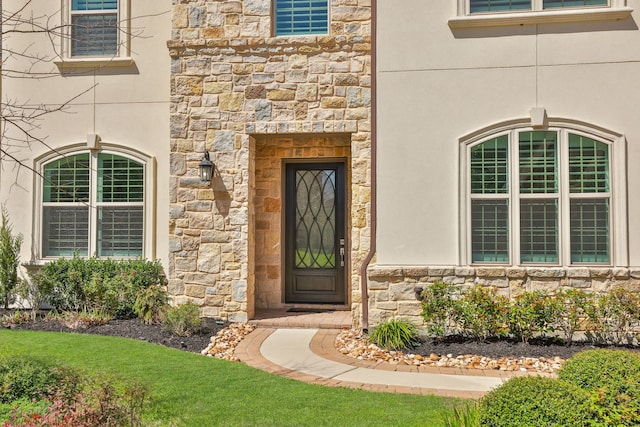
{"points": [[394, 291], [232, 83]]}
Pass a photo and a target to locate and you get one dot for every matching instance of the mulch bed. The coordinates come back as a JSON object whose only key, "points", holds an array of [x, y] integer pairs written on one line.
{"points": [[134, 328], [130, 328]]}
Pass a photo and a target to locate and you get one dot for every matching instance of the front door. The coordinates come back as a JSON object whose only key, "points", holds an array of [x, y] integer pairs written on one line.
{"points": [[315, 244]]}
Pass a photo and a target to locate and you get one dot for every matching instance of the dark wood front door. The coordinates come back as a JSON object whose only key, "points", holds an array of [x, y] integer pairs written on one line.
{"points": [[315, 247]]}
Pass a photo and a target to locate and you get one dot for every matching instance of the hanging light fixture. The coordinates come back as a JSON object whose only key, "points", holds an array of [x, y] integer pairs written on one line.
{"points": [[206, 168]]}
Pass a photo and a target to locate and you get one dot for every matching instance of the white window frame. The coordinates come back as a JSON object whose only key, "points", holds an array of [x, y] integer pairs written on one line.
{"points": [[148, 204], [615, 10], [617, 194], [123, 56]]}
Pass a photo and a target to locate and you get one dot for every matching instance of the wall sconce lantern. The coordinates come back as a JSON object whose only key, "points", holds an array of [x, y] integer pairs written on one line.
{"points": [[206, 168]]}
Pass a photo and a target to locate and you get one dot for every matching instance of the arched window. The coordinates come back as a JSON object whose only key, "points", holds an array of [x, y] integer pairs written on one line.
{"points": [[541, 197], [93, 203]]}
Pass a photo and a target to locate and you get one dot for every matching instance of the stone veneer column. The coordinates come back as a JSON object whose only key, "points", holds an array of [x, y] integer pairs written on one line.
{"points": [[231, 82]]}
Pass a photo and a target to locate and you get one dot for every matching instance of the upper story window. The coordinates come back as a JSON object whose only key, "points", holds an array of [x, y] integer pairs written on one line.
{"points": [[94, 28], [93, 203], [299, 17], [491, 13], [541, 197], [96, 33]]}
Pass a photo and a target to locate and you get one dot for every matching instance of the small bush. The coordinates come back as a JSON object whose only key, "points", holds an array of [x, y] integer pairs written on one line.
{"points": [[10, 245], [395, 334], [535, 401], [27, 377], [572, 316], [613, 379], [151, 304], [439, 308], [183, 320], [481, 313], [614, 316], [532, 313], [79, 284]]}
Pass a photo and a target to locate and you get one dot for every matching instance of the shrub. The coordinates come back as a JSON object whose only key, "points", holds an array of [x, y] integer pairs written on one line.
{"points": [[102, 401], [535, 401], [439, 308], [183, 320], [532, 313], [151, 304], [27, 377], [614, 315], [9, 260], [574, 306], [395, 334], [481, 312], [613, 379], [78, 284]]}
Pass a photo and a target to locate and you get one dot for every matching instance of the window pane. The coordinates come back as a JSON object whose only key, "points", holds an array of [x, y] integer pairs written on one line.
{"points": [[301, 17], [490, 167], [588, 165], [94, 5], [65, 230], [590, 230], [119, 179], [67, 180], [120, 231], [538, 231], [550, 4], [538, 162], [490, 231], [476, 6], [94, 35]]}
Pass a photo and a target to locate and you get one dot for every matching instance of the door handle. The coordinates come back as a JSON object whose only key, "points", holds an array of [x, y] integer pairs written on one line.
{"points": [[341, 252]]}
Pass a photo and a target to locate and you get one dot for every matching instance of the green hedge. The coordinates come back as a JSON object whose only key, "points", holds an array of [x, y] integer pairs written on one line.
{"points": [[535, 401], [613, 379], [79, 284]]}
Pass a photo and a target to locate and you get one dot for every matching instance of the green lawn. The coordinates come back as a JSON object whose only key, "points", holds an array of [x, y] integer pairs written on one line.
{"points": [[192, 390]]}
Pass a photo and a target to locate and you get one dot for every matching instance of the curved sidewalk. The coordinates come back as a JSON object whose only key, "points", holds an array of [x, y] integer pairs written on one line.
{"points": [[309, 355]]}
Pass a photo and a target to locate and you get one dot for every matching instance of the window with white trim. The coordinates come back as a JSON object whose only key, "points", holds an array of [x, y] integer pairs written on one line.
{"points": [[94, 29], [540, 197], [299, 17], [485, 6], [93, 203]]}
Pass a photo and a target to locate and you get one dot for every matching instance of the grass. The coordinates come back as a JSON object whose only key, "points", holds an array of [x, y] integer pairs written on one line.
{"points": [[192, 390]]}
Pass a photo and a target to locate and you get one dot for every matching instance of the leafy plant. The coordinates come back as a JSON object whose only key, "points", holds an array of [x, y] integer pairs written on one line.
{"points": [[613, 379], [28, 377], [183, 320], [481, 312], [83, 319], [151, 304], [439, 308], [573, 306], [78, 284], [9, 260], [532, 313], [535, 401], [614, 316], [395, 334]]}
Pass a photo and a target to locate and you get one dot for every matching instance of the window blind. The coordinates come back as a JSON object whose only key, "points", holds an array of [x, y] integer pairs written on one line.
{"points": [[301, 17], [478, 6], [552, 4], [94, 5]]}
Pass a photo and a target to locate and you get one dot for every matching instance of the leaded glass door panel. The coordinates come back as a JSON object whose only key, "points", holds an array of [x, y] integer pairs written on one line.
{"points": [[315, 247]]}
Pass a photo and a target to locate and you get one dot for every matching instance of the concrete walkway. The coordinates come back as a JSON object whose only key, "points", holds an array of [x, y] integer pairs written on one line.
{"points": [[309, 355]]}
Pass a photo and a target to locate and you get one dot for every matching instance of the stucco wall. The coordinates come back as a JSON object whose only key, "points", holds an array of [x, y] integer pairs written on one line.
{"points": [[126, 106]]}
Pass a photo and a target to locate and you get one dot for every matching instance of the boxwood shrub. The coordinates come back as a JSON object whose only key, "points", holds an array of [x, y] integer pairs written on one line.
{"points": [[613, 379], [535, 401], [79, 284]]}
